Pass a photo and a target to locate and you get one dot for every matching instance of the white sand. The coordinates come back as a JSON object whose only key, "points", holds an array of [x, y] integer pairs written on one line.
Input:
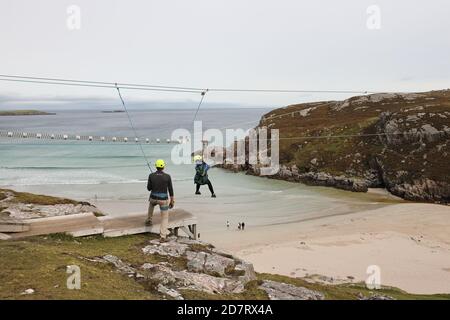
{"points": [[409, 242]]}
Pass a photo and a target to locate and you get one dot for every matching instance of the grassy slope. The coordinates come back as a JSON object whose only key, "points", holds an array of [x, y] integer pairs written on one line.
{"points": [[31, 198], [40, 263], [37, 199], [336, 155]]}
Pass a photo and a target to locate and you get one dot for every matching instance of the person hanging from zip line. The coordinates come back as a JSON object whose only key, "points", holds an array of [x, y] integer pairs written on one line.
{"points": [[201, 175], [161, 194]]}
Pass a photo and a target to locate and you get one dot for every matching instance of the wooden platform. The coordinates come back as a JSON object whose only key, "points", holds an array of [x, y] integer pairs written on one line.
{"points": [[115, 226], [13, 225], [85, 224]]}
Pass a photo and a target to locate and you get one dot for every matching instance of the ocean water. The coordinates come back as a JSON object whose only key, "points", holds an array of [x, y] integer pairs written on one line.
{"points": [[117, 173], [28, 162]]}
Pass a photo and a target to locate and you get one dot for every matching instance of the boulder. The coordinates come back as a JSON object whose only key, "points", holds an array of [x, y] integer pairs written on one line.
{"points": [[209, 263], [283, 291], [169, 292], [248, 271], [193, 280], [119, 264], [171, 248]]}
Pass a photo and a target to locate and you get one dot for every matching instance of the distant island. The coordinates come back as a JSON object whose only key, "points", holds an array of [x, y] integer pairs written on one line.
{"points": [[25, 113], [113, 111]]}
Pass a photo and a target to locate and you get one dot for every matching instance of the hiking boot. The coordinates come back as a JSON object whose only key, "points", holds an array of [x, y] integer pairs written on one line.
{"points": [[197, 192], [213, 195], [148, 223], [162, 240]]}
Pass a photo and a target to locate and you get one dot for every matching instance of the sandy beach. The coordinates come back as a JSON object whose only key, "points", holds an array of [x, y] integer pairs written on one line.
{"points": [[410, 243]]}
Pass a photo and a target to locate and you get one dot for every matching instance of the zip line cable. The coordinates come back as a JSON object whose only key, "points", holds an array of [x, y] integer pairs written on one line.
{"points": [[99, 82], [134, 130], [288, 91], [100, 85], [5, 77], [200, 104]]}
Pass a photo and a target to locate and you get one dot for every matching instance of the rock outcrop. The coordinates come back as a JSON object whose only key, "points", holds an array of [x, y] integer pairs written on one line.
{"points": [[201, 267], [17, 205], [396, 141], [283, 291]]}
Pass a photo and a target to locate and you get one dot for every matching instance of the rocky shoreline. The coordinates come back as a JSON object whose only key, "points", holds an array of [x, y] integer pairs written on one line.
{"points": [[399, 142]]}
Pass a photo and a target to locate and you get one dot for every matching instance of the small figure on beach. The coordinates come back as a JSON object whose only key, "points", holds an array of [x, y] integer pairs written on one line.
{"points": [[201, 175], [243, 226], [161, 194], [228, 224], [239, 226]]}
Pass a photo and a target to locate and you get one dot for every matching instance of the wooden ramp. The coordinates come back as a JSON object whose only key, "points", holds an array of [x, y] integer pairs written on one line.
{"points": [[61, 224], [115, 226], [85, 224]]}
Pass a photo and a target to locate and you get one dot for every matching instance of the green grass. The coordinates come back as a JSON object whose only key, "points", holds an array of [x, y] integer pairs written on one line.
{"points": [[30, 198], [350, 291], [40, 263]]}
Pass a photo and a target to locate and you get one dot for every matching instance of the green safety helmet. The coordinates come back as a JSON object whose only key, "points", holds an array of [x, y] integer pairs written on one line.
{"points": [[160, 164]]}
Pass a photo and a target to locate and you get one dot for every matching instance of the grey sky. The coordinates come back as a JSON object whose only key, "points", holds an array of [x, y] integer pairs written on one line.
{"points": [[282, 44]]}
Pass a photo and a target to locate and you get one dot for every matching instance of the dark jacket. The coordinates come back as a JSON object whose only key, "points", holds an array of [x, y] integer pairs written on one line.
{"points": [[159, 183], [201, 173]]}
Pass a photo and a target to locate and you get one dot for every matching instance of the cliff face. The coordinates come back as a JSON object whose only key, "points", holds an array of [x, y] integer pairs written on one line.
{"points": [[396, 141]]}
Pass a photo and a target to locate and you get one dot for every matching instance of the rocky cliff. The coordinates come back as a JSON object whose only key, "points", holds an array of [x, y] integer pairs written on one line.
{"points": [[395, 141]]}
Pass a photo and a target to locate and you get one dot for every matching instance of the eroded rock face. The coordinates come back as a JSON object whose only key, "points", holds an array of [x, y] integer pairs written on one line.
{"points": [[284, 291]]}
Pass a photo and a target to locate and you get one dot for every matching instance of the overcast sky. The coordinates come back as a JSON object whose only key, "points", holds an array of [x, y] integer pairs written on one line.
{"points": [[282, 44]]}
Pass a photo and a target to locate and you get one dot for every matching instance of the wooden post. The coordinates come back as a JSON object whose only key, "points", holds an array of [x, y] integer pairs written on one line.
{"points": [[194, 231]]}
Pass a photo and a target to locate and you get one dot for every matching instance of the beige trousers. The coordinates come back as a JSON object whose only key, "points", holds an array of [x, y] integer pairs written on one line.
{"points": [[164, 207]]}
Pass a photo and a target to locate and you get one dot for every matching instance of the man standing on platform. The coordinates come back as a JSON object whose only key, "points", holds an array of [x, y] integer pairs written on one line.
{"points": [[161, 194]]}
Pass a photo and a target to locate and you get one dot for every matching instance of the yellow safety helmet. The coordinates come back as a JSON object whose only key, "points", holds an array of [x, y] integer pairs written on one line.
{"points": [[160, 164], [198, 158]]}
